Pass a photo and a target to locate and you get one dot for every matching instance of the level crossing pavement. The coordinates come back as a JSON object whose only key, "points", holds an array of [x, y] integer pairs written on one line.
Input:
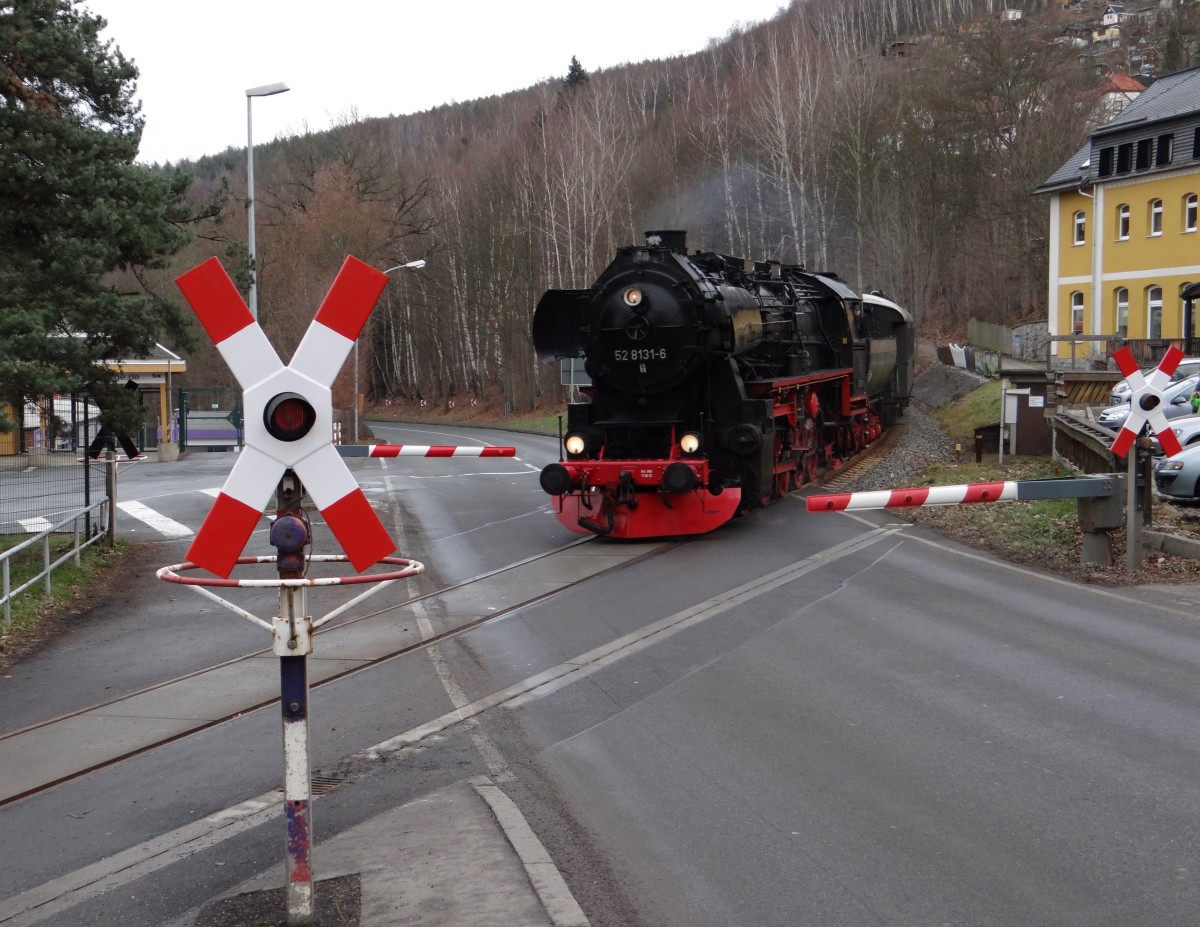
{"points": [[460, 856]]}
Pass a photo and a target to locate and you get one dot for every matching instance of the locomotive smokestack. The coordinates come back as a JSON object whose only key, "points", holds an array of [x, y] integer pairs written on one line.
{"points": [[674, 239]]}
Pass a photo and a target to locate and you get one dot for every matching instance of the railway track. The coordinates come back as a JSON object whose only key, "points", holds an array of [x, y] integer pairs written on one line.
{"points": [[861, 464], [55, 734]]}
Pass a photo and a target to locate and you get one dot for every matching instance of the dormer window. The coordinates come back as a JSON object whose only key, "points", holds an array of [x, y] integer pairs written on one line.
{"points": [[1164, 150], [1125, 158], [1143, 154]]}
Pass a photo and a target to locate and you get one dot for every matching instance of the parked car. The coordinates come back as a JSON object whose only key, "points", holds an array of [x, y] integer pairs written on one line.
{"points": [[1187, 430], [1188, 367], [1175, 405], [1179, 476]]}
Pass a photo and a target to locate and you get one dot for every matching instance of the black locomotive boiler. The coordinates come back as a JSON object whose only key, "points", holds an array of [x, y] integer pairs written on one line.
{"points": [[718, 384]]}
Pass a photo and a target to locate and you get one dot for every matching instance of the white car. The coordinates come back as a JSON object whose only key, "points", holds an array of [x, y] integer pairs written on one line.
{"points": [[1189, 366]]}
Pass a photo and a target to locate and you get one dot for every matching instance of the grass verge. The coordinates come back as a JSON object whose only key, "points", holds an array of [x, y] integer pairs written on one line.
{"points": [[33, 611], [539, 421]]}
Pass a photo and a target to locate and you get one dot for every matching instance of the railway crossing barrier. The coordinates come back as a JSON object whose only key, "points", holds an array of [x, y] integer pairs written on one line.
{"points": [[1100, 496], [289, 451]]}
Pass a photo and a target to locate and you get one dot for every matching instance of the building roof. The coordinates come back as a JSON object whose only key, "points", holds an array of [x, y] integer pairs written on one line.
{"points": [[1122, 83], [1072, 175], [1169, 97]]}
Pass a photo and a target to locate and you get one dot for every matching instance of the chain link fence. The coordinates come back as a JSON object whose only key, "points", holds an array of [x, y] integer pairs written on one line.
{"points": [[44, 471]]}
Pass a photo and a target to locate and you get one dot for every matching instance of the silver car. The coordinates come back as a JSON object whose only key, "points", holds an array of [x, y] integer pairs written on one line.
{"points": [[1179, 476], [1188, 367], [1187, 432], [1176, 404]]}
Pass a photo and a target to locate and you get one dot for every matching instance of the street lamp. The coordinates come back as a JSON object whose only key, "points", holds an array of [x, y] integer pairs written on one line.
{"points": [[266, 90], [411, 265]]}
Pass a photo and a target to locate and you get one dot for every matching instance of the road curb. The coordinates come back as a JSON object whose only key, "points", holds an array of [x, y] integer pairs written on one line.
{"points": [[547, 881]]}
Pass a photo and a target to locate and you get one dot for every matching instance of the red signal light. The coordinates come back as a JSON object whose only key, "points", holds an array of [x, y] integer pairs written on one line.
{"points": [[289, 417]]}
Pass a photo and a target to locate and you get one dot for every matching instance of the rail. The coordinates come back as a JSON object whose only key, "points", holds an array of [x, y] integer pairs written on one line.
{"points": [[48, 566]]}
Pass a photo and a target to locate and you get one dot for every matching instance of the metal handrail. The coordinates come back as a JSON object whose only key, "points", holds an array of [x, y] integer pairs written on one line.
{"points": [[8, 593]]}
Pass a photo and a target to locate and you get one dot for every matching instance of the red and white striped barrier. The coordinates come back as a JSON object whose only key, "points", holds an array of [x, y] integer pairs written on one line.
{"points": [[1080, 487], [309, 377], [911, 498], [423, 450]]}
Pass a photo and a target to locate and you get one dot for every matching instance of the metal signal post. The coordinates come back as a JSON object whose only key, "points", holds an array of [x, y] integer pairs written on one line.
{"points": [[289, 450]]}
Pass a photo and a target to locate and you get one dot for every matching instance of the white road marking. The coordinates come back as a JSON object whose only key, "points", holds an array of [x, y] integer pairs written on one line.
{"points": [[167, 527], [35, 525], [491, 754]]}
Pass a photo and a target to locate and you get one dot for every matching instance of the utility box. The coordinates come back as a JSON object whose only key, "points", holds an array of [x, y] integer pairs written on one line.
{"points": [[1030, 397]]}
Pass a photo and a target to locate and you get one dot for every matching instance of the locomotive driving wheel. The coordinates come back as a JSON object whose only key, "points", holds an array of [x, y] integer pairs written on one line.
{"points": [[808, 466]]}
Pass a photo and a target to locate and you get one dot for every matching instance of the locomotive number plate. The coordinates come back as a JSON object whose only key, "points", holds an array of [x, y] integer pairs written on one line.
{"points": [[639, 354]]}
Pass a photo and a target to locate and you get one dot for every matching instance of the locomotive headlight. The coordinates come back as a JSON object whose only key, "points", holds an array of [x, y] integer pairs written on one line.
{"points": [[632, 296], [689, 443], [576, 444]]}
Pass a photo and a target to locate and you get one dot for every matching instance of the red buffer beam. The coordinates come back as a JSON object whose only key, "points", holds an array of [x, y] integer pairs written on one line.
{"points": [[964, 493]]}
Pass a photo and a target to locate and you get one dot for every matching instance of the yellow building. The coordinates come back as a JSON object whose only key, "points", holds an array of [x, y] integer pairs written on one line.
{"points": [[1124, 235]]}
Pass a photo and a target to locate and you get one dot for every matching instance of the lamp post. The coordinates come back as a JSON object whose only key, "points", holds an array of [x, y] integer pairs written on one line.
{"points": [[411, 265], [266, 90]]}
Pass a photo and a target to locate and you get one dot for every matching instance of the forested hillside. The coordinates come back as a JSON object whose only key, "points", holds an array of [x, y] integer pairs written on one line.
{"points": [[896, 142]]}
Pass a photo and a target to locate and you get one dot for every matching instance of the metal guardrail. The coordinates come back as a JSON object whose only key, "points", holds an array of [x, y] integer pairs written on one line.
{"points": [[48, 566], [1085, 445]]}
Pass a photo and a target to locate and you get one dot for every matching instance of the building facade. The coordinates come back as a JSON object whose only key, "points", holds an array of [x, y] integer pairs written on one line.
{"points": [[1124, 235]]}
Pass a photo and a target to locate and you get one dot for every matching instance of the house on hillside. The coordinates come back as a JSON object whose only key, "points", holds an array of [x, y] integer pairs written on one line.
{"points": [[1116, 93], [1113, 15], [1125, 221]]}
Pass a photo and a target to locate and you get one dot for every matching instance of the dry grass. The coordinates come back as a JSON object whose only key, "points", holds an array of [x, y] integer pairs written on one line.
{"points": [[1045, 534]]}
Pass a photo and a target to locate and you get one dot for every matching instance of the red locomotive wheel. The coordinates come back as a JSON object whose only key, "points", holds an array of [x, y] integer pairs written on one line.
{"points": [[808, 467]]}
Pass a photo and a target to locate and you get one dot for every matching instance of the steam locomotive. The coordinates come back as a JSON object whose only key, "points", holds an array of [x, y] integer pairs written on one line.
{"points": [[717, 384]]}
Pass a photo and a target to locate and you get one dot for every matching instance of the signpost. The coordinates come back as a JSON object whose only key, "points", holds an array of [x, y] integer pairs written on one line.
{"points": [[290, 451]]}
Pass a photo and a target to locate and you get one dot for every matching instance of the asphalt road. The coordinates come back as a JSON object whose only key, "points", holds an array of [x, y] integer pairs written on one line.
{"points": [[796, 720]]}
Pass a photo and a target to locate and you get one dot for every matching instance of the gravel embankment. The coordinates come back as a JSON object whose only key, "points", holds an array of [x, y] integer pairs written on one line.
{"points": [[921, 442]]}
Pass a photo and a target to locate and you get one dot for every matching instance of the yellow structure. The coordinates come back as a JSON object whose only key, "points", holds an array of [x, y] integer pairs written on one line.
{"points": [[1124, 235], [154, 374]]}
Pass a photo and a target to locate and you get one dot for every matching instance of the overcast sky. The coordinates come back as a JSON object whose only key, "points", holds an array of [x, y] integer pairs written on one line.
{"points": [[374, 57]]}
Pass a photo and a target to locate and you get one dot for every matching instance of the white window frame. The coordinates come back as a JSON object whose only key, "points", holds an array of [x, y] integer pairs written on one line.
{"points": [[1123, 222], [1156, 218], [1154, 307], [1077, 312], [1080, 227], [1121, 298], [1191, 212]]}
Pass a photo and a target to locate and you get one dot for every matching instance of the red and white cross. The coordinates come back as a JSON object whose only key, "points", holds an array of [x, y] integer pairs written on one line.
{"points": [[265, 382], [1145, 402]]}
